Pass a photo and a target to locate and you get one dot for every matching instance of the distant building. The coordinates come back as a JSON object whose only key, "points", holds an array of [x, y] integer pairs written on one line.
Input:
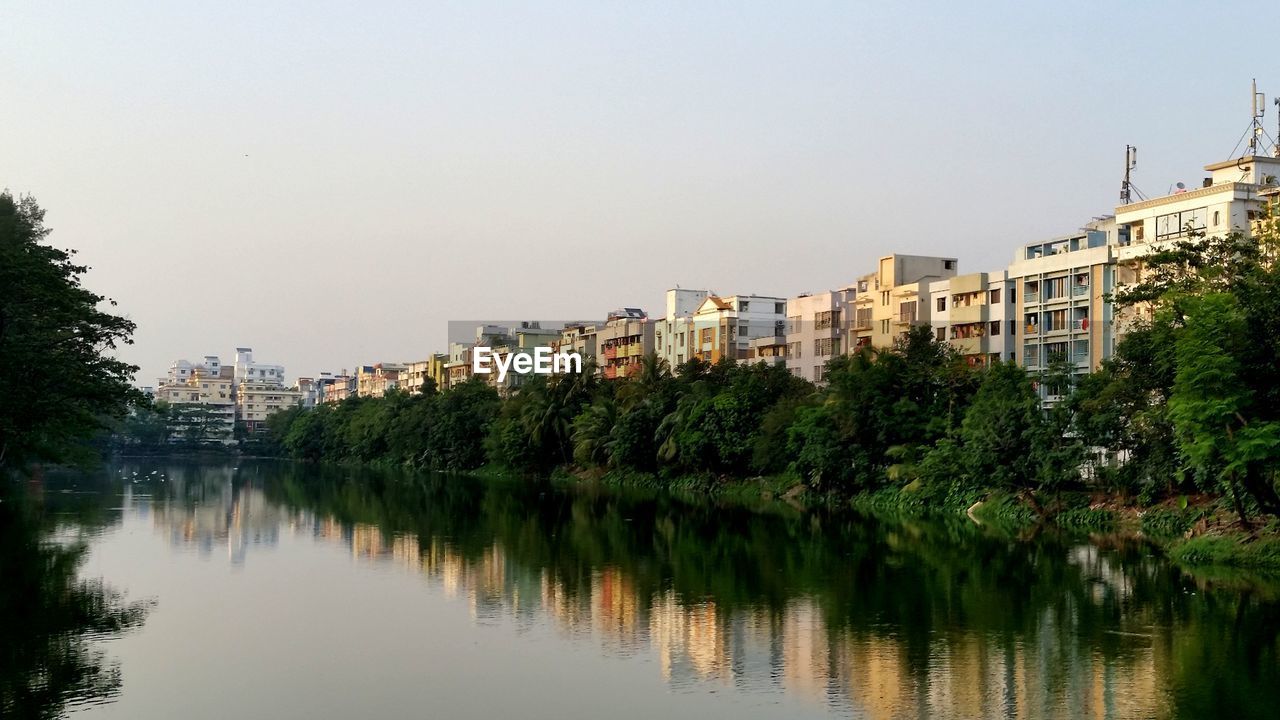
{"points": [[246, 370], [816, 331], [891, 300], [378, 379], [975, 314], [673, 335], [724, 327], [623, 342], [257, 401], [203, 401]]}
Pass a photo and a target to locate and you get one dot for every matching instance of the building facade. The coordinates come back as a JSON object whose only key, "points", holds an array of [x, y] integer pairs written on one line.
{"points": [[895, 297], [623, 341], [974, 313], [817, 330]]}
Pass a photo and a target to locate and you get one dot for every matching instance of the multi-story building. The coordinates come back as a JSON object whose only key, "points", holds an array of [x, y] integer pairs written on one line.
{"points": [[376, 380], [768, 350], [673, 335], [1061, 289], [975, 314], [415, 375], [623, 341], [204, 404], [723, 327], [895, 297], [257, 401], [336, 388], [579, 337], [817, 330], [1231, 198], [246, 370]]}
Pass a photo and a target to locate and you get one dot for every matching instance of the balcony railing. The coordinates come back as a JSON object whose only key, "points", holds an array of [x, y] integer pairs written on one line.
{"points": [[1079, 290], [1080, 324], [1030, 329], [1080, 358]]}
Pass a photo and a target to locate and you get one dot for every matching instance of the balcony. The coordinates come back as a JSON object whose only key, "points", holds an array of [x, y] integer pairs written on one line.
{"points": [[1030, 329], [1080, 358], [1079, 290], [1080, 325], [1031, 296]]}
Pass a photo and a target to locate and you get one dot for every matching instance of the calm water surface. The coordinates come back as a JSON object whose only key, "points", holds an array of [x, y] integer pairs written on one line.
{"points": [[283, 591]]}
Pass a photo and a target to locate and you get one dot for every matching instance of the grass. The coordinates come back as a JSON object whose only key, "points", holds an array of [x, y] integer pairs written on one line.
{"points": [[1239, 551]]}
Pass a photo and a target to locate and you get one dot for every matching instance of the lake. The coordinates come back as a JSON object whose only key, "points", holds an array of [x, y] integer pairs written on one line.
{"points": [[168, 589]]}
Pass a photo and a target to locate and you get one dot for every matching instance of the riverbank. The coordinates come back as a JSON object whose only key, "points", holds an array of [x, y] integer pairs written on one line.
{"points": [[1195, 533]]}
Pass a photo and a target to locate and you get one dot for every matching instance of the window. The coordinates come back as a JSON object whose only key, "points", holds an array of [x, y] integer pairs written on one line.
{"points": [[995, 297], [862, 318], [1217, 218], [1177, 224], [949, 264], [995, 327], [942, 304], [794, 324], [940, 333], [780, 308], [823, 320], [819, 373], [884, 327], [743, 306], [862, 286], [1013, 327], [793, 350], [823, 347], [884, 297], [1013, 295]]}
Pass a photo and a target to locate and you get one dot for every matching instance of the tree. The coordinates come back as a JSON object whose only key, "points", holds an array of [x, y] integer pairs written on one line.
{"points": [[1003, 433], [58, 381]]}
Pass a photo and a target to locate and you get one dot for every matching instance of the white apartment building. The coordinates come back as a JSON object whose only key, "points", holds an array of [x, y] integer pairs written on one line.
{"points": [[673, 334], [723, 327], [1061, 288], [817, 330], [975, 314], [246, 370]]}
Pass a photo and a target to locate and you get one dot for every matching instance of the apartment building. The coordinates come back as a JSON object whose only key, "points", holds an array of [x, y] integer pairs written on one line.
{"points": [[817, 330], [579, 337], [673, 337], [975, 314], [895, 297], [768, 350], [376, 380], [1232, 197], [257, 401], [623, 341], [213, 393], [417, 375], [246, 370], [723, 327], [336, 388], [1061, 289]]}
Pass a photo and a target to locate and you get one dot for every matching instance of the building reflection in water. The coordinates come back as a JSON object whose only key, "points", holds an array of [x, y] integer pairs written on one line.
{"points": [[868, 670]]}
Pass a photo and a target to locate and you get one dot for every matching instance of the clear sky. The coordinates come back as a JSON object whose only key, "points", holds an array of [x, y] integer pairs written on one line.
{"points": [[331, 183]]}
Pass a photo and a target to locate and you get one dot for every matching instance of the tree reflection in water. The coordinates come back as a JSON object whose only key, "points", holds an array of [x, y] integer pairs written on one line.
{"points": [[50, 619]]}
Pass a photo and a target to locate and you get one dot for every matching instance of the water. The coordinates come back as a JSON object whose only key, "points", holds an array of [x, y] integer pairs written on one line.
{"points": [[285, 591]]}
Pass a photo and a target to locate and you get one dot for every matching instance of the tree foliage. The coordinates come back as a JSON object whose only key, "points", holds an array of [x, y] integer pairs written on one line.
{"points": [[59, 381]]}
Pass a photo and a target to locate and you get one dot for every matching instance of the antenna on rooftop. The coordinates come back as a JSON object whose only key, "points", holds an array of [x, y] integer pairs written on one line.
{"points": [[1257, 109], [1130, 162]]}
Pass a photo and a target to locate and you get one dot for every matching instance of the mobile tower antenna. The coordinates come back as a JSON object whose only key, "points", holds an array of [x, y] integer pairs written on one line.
{"points": [[1130, 162], [1257, 109]]}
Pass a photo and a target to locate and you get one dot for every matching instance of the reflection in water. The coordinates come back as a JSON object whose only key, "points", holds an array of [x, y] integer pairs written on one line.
{"points": [[855, 615], [49, 620]]}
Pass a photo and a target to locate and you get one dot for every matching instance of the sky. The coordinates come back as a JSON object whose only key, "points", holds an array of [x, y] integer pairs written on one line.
{"points": [[332, 183]]}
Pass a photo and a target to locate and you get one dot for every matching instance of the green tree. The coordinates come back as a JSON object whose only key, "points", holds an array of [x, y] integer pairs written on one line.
{"points": [[58, 380]]}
